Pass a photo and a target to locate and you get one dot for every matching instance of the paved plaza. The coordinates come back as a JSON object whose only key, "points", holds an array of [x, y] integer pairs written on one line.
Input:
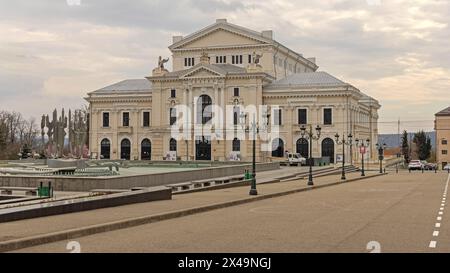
{"points": [[402, 212]]}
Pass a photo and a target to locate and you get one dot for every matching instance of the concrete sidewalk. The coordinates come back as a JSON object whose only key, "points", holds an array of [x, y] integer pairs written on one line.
{"points": [[47, 229]]}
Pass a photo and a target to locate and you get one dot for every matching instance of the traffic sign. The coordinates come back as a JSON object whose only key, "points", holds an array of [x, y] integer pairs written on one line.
{"points": [[362, 149]]}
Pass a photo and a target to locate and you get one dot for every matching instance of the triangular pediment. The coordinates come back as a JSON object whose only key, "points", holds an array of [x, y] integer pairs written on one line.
{"points": [[202, 72], [221, 35]]}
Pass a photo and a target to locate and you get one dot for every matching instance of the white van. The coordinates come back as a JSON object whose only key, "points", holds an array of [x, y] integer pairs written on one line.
{"points": [[296, 159]]}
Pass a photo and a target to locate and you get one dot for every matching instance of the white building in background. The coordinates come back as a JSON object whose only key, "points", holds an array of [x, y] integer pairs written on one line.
{"points": [[228, 65]]}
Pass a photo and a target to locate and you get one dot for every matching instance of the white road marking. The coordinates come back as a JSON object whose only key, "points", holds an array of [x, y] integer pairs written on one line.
{"points": [[439, 218]]}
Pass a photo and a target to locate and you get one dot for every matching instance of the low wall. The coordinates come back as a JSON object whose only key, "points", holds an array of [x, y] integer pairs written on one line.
{"points": [[84, 184], [83, 204]]}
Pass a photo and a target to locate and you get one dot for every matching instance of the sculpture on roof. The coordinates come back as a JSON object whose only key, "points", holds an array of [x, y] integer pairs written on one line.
{"points": [[161, 62], [256, 57]]}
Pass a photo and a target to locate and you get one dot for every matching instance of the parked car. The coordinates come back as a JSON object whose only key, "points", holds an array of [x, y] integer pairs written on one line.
{"points": [[415, 165], [430, 166], [447, 167], [296, 159]]}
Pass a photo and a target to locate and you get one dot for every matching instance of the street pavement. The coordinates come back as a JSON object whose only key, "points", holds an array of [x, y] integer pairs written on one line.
{"points": [[393, 213]]}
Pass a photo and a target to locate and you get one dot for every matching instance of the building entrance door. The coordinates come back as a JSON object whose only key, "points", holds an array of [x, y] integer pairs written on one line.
{"points": [[203, 148]]}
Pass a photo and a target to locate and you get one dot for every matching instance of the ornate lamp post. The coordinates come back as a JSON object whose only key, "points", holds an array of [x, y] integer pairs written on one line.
{"points": [[362, 144], [255, 129], [308, 134], [344, 142], [381, 149]]}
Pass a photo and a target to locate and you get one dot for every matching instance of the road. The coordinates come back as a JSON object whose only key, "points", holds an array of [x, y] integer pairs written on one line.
{"points": [[399, 212]]}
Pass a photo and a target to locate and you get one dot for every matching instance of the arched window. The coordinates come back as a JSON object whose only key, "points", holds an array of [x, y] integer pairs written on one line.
{"points": [[105, 149], [173, 145], [277, 147], [303, 147], [236, 145], [146, 149], [125, 149], [328, 149], [204, 109]]}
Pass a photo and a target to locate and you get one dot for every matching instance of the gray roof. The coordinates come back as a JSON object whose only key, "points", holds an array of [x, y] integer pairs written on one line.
{"points": [[309, 79], [445, 112], [133, 85]]}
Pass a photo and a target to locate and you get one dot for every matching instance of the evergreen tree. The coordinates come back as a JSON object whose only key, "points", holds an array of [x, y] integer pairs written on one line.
{"points": [[405, 146], [423, 145]]}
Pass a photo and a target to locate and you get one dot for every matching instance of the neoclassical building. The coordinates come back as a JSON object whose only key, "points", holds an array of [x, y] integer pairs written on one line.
{"points": [[202, 109]]}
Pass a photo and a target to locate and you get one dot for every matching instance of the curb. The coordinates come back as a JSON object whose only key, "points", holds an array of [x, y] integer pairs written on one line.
{"points": [[122, 224]]}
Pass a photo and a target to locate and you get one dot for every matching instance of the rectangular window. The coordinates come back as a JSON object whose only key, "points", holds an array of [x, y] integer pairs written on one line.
{"points": [[221, 59], [327, 116], [106, 119], [236, 92], [146, 119], [236, 59], [173, 116], [173, 93], [444, 152], [249, 59], [125, 119], [189, 62], [277, 118], [302, 116], [444, 142]]}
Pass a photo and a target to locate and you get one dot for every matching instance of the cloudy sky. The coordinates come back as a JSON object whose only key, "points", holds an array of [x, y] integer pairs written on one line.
{"points": [[52, 52]]}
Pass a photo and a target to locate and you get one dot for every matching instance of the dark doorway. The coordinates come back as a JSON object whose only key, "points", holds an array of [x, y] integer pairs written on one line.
{"points": [[277, 148], [328, 149], [105, 149], [303, 147], [125, 149], [146, 149], [203, 148]]}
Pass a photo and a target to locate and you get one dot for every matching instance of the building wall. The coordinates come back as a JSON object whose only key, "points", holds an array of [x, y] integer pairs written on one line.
{"points": [[442, 126]]}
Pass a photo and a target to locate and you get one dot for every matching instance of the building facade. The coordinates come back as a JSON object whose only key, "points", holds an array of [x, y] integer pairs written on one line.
{"points": [[224, 77], [442, 127]]}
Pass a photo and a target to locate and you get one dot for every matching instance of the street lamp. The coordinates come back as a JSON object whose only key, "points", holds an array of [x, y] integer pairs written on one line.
{"points": [[362, 144], [310, 136], [344, 142], [255, 130], [381, 149]]}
